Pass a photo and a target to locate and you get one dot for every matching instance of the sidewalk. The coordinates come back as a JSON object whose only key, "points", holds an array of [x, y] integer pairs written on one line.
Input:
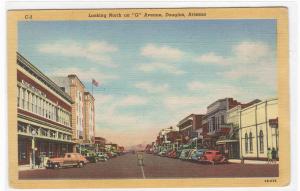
{"points": [[29, 167], [249, 161]]}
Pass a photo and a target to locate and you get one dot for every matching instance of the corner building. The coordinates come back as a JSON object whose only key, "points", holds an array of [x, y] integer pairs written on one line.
{"points": [[259, 130], [44, 108]]}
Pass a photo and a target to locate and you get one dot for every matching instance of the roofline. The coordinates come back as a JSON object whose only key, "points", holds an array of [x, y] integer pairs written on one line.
{"points": [[74, 75], [52, 84], [261, 102], [218, 101], [88, 93], [192, 114]]}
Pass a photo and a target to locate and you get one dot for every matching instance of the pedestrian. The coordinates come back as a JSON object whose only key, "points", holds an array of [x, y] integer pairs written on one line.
{"points": [[274, 155], [269, 155], [37, 161], [226, 153], [140, 159]]}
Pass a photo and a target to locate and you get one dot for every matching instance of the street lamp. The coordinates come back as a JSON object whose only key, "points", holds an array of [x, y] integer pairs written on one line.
{"points": [[33, 133]]}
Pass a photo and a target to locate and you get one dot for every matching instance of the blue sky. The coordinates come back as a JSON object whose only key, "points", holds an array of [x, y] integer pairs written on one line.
{"points": [[154, 73]]}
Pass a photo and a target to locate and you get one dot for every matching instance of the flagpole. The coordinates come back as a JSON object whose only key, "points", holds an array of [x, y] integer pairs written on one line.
{"points": [[92, 88]]}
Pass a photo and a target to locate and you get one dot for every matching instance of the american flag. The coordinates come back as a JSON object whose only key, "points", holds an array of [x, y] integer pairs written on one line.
{"points": [[95, 83]]}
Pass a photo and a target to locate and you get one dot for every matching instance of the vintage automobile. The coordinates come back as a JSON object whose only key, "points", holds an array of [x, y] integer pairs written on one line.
{"points": [[170, 153], [196, 154], [173, 154], [213, 157], [70, 159], [185, 154], [102, 156], [162, 153], [178, 153]]}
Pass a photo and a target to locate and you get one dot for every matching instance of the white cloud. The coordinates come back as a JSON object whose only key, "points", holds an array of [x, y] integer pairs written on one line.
{"points": [[162, 52], [152, 88], [96, 51], [212, 58], [132, 100], [254, 60], [196, 85], [157, 66], [248, 52], [84, 74]]}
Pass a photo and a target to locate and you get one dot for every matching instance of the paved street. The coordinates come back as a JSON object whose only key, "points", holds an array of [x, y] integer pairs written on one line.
{"points": [[155, 167]]}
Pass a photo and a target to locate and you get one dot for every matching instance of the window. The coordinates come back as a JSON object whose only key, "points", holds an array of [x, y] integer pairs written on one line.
{"points": [[33, 103], [246, 142], [27, 100], [23, 98], [261, 141], [30, 103], [222, 119], [18, 96], [251, 142]]}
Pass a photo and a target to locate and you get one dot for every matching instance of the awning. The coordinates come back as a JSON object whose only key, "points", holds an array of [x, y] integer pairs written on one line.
{"points": [[226, 141]]}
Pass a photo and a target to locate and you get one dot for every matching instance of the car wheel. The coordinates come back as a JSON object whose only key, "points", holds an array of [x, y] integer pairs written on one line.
{"points": [[56, 166], [80, 164]]}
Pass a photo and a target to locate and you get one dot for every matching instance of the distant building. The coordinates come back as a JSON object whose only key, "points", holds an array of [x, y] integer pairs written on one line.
{"points": [[259, 129], [216, 117], [83, 109], [100, 143], [89, 117], [44, 113], [191, 127]]}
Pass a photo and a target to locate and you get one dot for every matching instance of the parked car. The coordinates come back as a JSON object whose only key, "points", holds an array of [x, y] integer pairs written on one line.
{"points": [[102, 156], [178, 153], [213, 157], [173, 154], [170, 153], [70, 159], [196, 154], [162, 153], [185, 154]]}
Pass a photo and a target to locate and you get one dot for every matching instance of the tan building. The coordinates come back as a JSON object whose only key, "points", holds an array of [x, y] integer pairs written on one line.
{"points": [[259, 129], [76, 91], [89, 117], [230, 141]]}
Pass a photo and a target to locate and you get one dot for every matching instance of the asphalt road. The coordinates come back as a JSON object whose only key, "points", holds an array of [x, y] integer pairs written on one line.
{"points": [[154, 167]]}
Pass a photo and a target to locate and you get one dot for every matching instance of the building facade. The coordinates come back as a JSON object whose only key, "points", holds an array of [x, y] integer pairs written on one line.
{"points": [[43, 115], [100, 143], [190, 127], [89, 118], [259, 130], [216, 120], [76, 91]]}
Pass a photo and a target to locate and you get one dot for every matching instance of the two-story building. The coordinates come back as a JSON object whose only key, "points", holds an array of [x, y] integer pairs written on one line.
{"points": [[188, 126], [216, 120], [43, 114]]}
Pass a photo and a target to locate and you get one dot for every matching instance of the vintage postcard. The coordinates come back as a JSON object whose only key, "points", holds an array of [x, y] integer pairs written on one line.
{"points": [[123, 98]]}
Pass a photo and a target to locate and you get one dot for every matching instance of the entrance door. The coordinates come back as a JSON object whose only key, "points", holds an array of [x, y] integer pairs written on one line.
{"points": [[23, 152], [234, 150]]}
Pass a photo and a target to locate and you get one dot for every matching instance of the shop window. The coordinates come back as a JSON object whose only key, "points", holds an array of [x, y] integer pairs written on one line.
{"points": [[261, 141]]}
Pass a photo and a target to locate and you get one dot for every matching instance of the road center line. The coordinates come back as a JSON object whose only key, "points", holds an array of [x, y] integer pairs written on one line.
{"points": [[142, 169]]}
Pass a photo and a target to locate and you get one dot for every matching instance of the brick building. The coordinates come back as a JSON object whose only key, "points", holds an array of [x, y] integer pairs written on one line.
{"points": [[43, 114]]}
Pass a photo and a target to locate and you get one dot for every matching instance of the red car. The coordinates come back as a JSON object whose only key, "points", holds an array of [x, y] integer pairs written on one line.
{"points": [[213, 157], [171, 154]]}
